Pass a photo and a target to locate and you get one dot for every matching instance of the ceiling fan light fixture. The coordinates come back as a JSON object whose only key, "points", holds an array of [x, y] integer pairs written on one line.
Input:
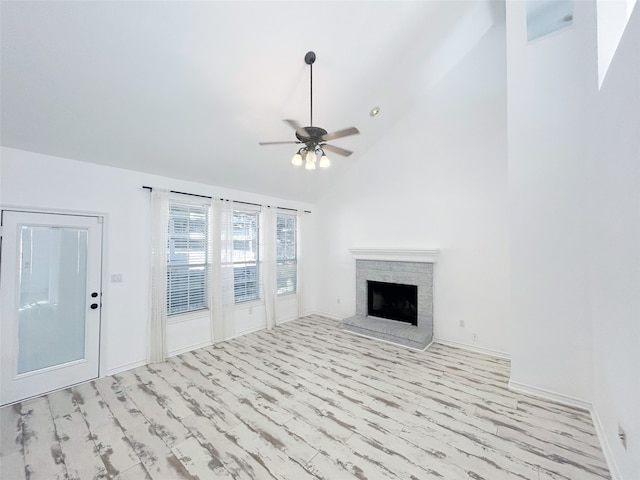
{"points": [[311, 157], [297, 159], [324, 161], [310, 165]]}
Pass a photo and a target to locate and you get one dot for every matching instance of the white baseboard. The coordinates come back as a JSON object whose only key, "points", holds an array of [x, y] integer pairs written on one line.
{"points": [[189, 348], [124, 367], [604, 444], [561, 398], [247, 331], [286, 320], [325, 315], [473, 348]]}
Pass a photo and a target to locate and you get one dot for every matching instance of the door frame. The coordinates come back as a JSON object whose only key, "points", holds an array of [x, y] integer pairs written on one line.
{"points": [[104, 313]]}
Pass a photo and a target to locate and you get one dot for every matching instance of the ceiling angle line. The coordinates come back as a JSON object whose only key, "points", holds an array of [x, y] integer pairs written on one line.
{"points": [[145, 187]]}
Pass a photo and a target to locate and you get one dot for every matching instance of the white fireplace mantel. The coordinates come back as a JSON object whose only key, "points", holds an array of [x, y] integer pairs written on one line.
{"points": [[395, 254]]}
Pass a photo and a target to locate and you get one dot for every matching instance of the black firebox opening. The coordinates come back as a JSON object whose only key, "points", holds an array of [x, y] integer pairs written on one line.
{"points": [[394, 301]]}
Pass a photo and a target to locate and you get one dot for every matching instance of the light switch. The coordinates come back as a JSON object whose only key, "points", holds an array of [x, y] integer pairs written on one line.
{"points": [[116, 278]]}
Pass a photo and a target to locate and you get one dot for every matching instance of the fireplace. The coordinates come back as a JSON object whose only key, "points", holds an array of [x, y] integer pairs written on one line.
{"points": [[394, 296], [394, 301]]}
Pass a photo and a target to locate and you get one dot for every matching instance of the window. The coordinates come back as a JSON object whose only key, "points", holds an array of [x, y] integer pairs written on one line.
{"points": [[286, 254], [187, 257], [245, 255]]}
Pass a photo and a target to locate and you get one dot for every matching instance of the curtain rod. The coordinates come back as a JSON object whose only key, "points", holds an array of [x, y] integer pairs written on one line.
{"points": [[225, 200]]}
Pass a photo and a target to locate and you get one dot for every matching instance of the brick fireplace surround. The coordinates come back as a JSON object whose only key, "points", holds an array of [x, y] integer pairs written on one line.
{"points": [[410, 267]]}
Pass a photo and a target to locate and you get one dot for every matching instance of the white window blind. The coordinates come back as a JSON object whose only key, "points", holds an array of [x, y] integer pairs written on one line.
{"points": [[286, 261], [187, 257], [245, 255]]}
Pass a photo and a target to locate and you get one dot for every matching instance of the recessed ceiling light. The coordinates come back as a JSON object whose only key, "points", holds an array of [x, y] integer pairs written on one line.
{"points": [[374, 111]]}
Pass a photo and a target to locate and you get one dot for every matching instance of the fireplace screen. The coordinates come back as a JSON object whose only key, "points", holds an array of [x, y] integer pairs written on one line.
{"points": [[393, 301]]}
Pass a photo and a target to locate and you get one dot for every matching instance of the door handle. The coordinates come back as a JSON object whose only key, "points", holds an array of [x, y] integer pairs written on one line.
{"points": [[94, 306], [94, 294]]}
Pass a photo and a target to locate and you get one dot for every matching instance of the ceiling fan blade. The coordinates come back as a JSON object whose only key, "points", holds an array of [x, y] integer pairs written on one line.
{"points": [[297, 127], [338, 150], [276, 143], [339, 134]]}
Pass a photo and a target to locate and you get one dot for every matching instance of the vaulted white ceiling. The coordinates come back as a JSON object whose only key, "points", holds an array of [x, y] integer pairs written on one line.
{"points": [[188, 89]]}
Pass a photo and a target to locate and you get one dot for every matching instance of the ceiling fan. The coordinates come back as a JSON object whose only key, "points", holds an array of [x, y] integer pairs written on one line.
{"points": [[314, 138]]}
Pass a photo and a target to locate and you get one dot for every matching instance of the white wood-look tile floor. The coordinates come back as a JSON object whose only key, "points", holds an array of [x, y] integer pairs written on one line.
{"points": [[303, 401]]}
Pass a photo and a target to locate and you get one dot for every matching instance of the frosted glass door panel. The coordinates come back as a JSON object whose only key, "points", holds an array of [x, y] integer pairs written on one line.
{"points": [[53, 293], [50, 302]]}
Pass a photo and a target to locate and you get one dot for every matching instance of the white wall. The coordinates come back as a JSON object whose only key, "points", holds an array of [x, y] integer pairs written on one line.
{"points": [[31, 180], [574, 192], [437, 179], [551, 84], [615, 277]]}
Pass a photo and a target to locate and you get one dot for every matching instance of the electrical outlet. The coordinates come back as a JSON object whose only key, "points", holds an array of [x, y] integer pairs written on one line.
{"points": [[622, 436], [474, 337], [462, 323]]}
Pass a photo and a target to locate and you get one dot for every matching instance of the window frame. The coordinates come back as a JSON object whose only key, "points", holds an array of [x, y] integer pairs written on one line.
{"points": [[252, 240], [192, 206], [291, 257]]}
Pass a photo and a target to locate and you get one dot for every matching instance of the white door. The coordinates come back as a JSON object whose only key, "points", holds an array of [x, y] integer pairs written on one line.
{"points": [[50, 291]]}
